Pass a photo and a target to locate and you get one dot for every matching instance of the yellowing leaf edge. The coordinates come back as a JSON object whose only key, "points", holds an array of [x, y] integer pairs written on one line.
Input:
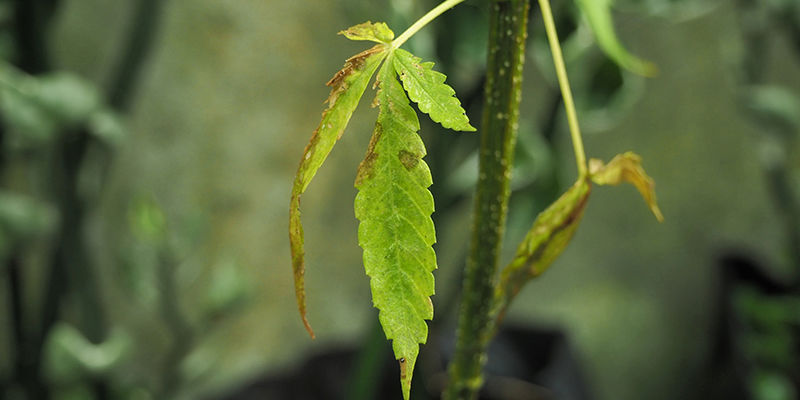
{"points": [[347, 87]]}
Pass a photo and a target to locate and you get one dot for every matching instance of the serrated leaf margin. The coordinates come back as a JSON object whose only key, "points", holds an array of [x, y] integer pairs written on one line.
{"points": [[395, 110], [377, 32], [426, 87], [350, 81]]}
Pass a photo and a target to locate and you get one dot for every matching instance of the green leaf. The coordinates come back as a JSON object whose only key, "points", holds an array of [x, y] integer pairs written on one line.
{"points": [[546, 240], [626, 167], [23, 219], [347, 87], [598, 13], [776, 106], [229, 291], [376, 32], [36, 108], [71, 357], [147, 220], [427, 88], [396, 229]]}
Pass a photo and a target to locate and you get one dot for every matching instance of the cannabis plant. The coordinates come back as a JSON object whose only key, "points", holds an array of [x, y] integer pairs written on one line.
{"points": [[394, 205]]}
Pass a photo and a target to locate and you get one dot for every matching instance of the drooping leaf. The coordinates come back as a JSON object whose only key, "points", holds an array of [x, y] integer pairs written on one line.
{"points": [[396, 230], [626, 167], [598, 13], [427, 88], [376, 32], [546, 240], [347, 87]]}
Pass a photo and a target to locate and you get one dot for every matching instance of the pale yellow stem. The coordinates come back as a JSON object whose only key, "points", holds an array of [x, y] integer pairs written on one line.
{"points": [[563, 82], [430, 16]]}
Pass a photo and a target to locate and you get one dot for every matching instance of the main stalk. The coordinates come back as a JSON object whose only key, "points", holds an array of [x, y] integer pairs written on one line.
{"points": [[506, 57]]}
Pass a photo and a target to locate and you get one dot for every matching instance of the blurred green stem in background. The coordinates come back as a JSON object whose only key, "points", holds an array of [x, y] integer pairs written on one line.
{"points": [[774, 110], [139, 41], [30, 27], [182, 333], [69, 269]]}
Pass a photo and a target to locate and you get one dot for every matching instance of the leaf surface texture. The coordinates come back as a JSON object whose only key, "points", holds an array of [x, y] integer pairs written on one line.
{"points": [[396, 231], [427, 88], [375, 32], [393, 204]]}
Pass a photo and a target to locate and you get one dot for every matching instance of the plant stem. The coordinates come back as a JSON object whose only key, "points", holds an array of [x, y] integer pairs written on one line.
{"points": [[563, 82], [141, 35], [430, 16], [30, 31], [506, 55], [183, 335]]}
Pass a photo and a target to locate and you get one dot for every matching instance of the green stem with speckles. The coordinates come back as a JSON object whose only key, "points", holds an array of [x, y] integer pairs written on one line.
{"points": [[506, 56]]}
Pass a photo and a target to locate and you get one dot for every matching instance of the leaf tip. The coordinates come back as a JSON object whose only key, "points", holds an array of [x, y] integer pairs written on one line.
{"points": [[298, 254], [657, 212], [308, 327], [300, 289], [406, 370]]}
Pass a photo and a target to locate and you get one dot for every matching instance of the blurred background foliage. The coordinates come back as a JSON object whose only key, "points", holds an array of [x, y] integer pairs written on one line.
{"points": [[148, 148]]}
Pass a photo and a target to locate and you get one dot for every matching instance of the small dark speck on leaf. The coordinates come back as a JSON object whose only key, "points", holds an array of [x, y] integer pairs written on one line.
{"points": [[409, 159]]}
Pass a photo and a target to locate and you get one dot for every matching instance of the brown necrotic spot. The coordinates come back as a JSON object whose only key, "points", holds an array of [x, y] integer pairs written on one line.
{"points": [[367, 166], [409, 159], [403, 368]]}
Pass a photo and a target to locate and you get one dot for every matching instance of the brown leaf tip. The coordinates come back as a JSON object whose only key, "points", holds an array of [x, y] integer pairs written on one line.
{"points": [[308, 327]]}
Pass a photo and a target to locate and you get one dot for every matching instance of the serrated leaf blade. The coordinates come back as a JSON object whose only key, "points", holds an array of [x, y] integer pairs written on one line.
{"points": [[396, 231], [598, 13], [626, 167], [347, 87], [376, 32], [426, 87]]}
